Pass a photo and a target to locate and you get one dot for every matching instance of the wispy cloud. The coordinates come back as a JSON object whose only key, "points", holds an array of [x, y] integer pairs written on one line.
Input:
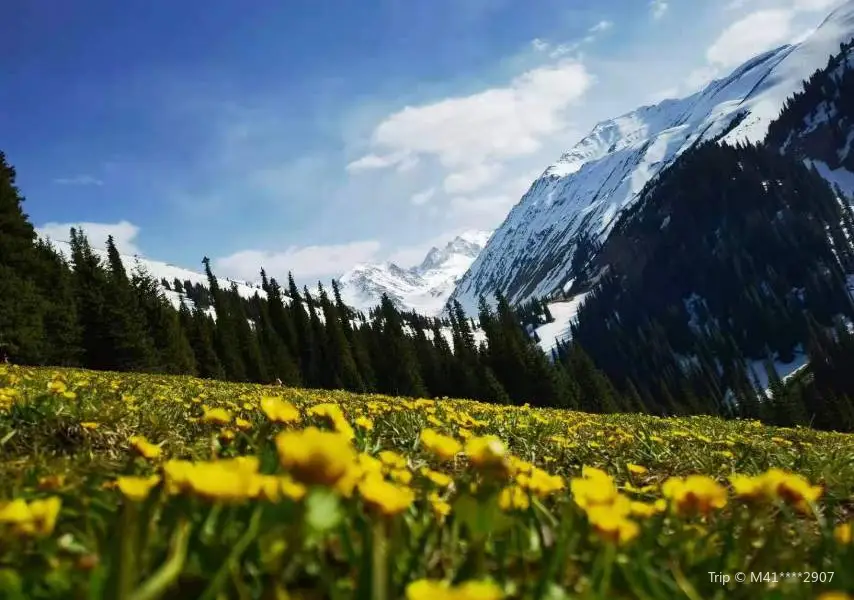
{"points": [[658, 8], [423, 197], [79, 180], [493, 125], [321, 261], [603, 25], [124, 234]]}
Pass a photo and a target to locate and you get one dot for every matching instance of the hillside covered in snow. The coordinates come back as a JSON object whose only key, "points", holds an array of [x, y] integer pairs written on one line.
{"points": [[558, 225], [162, 271]]}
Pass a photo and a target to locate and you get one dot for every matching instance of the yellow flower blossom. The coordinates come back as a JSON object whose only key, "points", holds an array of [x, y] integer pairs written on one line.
{"points": [[611, 525], [89, 425], [636, 469], [314, 456], [217, 416], [513, 498], [34, 519], [441, 508], [392, 459], [136, 488], [242, 424], [385, 497], [436, 477], [486, 451], [364, 423], [443, 447], [844, 533], [145, 448], [281, 411], [426, 589], [695, 494]]}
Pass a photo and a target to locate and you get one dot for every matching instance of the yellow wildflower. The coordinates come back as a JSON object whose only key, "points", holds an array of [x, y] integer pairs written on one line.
{"points": [[611, 525], [36, 518], [242, 424], [513, 498], [392, 459], [89, 425], [281, 411], [486, 451], [217, 416], [364, 422], [695, 493], [145, 448], [791, 488], [478, 590], [51, 482], [230, 480], [441, 508], [43, 515], [844, 533], [384, 497], [636, 469], [441, 446], [136, 488], [426, 589], [436, 477], [314, 456]]}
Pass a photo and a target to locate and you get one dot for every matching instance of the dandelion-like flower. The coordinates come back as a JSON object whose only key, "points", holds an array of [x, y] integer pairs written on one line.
{"points": [[315, 457]]}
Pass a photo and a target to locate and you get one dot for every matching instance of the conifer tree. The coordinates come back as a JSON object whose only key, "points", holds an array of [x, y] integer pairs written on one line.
{"points": [[341, 362], [306, 349], [21, 304], [225, 340], [173, 349], [131, 344], [200, 328]]}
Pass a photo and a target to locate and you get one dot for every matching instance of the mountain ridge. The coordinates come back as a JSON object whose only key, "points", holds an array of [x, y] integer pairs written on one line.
{"points": [[424, 287], [568, 211]]}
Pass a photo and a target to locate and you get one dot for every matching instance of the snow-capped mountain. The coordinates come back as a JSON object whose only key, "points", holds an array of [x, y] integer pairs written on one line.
{"points": [[576, 201], [424, 288], [161, 270]]}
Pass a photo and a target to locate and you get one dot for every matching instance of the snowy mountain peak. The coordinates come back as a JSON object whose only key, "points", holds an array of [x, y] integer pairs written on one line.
{"points": [[554, 227], [425, 287]]}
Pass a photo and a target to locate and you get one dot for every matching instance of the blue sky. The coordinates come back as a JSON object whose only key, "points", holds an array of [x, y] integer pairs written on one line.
{"points": [[314, 134]]}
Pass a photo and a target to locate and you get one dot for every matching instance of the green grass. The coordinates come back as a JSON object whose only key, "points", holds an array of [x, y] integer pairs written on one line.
{"points": [[67, 434]]}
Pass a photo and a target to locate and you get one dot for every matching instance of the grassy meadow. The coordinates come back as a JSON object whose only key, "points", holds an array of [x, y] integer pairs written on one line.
{"points": [[130, 486]]}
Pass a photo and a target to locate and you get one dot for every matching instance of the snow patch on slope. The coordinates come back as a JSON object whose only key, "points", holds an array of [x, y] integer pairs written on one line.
{"points": [[559, 329], [160, 270]]}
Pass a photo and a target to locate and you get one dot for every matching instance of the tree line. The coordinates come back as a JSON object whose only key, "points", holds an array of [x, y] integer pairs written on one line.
{"points": [[83, 310]]}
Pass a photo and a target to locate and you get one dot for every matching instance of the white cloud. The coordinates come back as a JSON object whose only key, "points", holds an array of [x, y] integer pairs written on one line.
{"points": [[492, 125], [749, 36], [79, 180], [414, 254], [814, 5], [658, 8], [375, 161], [480, 211], [471, 179], [700, 76], [305, 262], [603, 25], [124, 234], [423, 197], [540, 45]]}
